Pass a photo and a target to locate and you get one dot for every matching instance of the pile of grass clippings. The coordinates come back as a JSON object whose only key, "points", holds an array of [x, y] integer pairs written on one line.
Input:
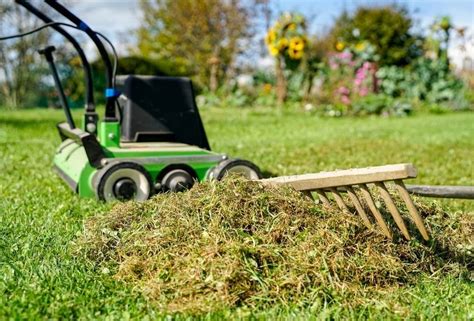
{"points": [[237, 243]]}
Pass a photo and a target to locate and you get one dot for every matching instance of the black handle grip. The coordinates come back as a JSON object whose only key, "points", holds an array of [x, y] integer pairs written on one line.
{"points": [[90, 102], [48, 53]]}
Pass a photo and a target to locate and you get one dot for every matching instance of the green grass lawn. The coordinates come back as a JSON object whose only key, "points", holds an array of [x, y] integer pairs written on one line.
{"points": [[40, 217]]}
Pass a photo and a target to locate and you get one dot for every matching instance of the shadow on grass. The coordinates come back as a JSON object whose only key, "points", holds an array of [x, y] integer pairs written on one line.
{"points": [[268, 174], [27, 123]]}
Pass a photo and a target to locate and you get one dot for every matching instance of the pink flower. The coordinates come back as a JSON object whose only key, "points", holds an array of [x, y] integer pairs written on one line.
{"points": [[363, 92], [345, 100], [333, 65], [343, 90], [345, 55]]}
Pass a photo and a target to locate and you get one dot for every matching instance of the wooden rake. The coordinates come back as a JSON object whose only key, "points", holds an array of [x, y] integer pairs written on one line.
{"points": [[349, 181]]}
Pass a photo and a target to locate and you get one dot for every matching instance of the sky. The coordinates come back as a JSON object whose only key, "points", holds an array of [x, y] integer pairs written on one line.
{"points": [[117, 18]]}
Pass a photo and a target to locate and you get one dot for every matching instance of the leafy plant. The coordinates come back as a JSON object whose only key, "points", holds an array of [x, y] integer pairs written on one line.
{"points": [[426, 79], [382, 105]]}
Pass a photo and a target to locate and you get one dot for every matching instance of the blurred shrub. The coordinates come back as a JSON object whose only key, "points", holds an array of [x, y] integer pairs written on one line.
{"points": [[262, 77], [387, 28], [144, 66], [426, 79], [222, 98], [382, 105]]}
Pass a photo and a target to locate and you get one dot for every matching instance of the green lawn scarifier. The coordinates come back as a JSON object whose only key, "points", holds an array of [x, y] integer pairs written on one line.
{"points": [[156, 143]]}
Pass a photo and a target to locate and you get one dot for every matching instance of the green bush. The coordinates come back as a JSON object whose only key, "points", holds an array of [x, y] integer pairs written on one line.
{"points": [[426, 80], [469, 97], [145, 66], [388, 28], [369, 105], [381, 105], [227, 97]]}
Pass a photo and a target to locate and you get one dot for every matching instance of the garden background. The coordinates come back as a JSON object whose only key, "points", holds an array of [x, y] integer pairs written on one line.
{"points": [[357, 58]]}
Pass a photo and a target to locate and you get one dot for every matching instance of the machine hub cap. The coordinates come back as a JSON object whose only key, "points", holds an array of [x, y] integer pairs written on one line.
{"points": [[125, 189]]}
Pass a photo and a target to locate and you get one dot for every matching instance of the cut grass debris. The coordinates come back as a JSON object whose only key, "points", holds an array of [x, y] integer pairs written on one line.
{"points": [[237, 243]]}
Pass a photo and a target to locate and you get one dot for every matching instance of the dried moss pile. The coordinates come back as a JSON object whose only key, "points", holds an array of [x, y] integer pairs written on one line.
{"points": [[237, 243]]}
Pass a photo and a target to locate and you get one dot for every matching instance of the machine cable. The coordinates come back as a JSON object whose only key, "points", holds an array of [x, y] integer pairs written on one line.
{"points": [[64, 24]]}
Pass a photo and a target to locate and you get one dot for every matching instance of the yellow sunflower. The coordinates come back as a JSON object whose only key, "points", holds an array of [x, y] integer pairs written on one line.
{"points": [[295, 54], [271, 36], [273, 50], [297, 43], [282, 44]]}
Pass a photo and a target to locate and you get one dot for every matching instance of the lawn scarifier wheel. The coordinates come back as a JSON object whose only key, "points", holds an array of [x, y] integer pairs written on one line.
{"points": [[236, 166], [123, 181], [177, 180]]}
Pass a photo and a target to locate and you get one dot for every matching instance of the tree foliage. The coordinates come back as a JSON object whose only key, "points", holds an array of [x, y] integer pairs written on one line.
{"points": [[388, 28], [202, 37], [20, 71]]}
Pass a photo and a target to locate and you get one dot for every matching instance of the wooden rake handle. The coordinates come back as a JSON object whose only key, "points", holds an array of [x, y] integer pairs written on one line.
{"points": [[460, 192]]}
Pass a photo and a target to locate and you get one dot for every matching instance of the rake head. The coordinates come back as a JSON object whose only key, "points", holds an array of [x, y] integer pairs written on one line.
{"points": [[355, 183]]}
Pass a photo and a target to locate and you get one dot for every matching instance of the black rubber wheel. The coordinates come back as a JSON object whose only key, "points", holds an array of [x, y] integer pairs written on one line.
{"points": [[177, 180], [123, 182], [239, 166]]}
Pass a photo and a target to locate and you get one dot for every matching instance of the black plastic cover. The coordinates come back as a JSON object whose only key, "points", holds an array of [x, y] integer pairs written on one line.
{"points": [[160, 109]]}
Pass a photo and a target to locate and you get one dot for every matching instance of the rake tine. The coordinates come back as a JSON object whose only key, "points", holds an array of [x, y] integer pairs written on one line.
{"points": [[358, 206], [322, 196], [308, 194], [392, 208], [411, 208], [339, 200], [374, 210]]}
